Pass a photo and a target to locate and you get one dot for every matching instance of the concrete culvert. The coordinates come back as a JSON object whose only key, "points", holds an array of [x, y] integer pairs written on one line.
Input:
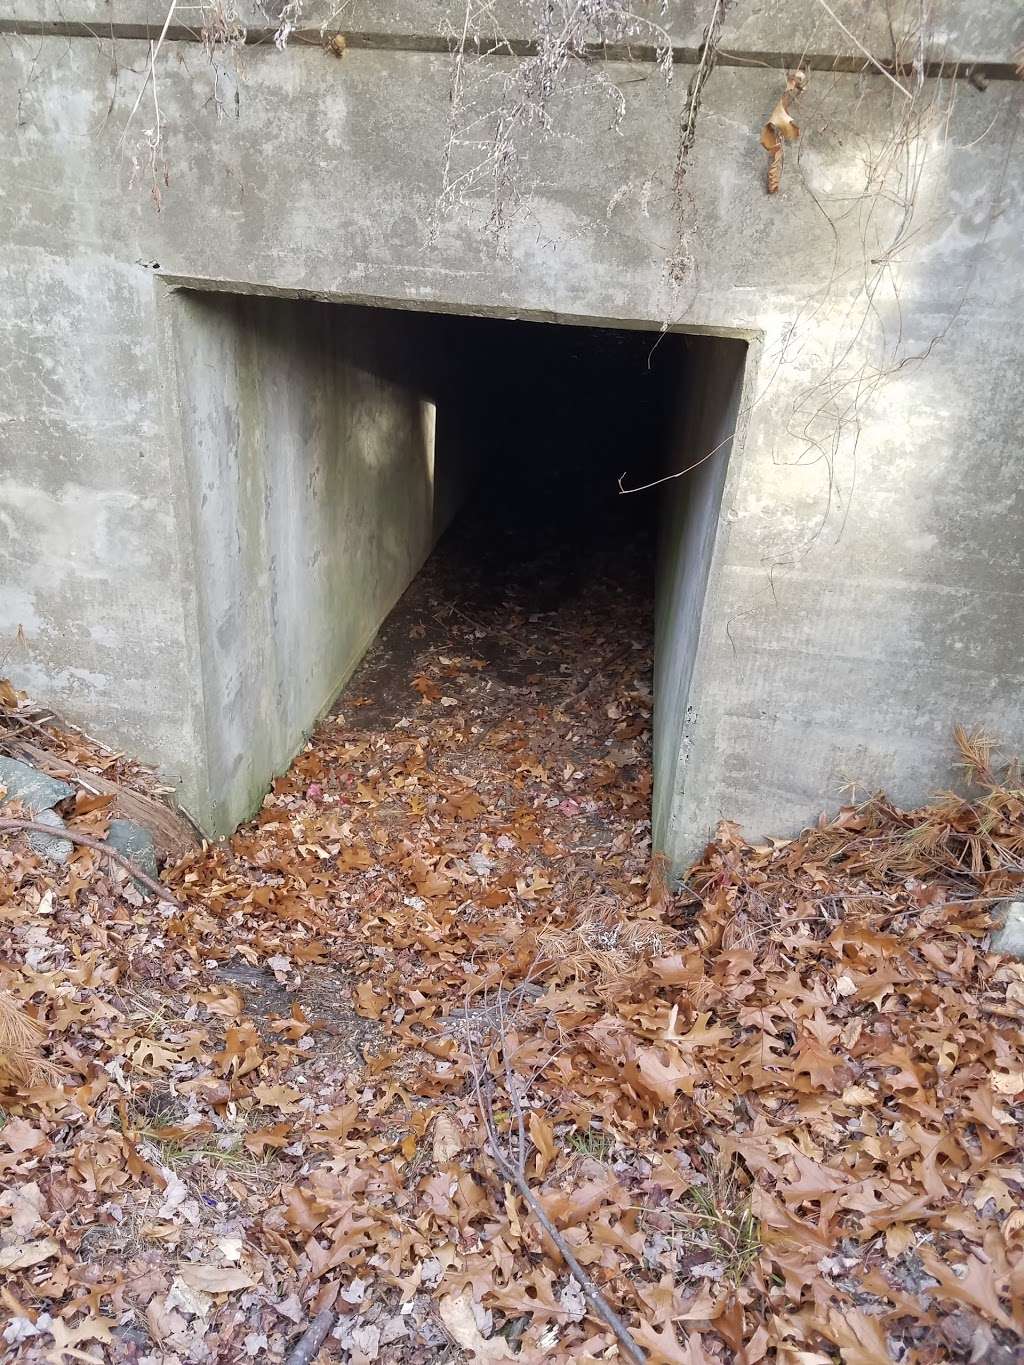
{"points": [[329, 449]]}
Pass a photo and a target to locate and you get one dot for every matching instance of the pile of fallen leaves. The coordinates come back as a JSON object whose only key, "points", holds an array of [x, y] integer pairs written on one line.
{"points": [[775, 1116]]}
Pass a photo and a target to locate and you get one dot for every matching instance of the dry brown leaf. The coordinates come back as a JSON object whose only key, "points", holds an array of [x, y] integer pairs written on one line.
{"points": [[542, 1136], [223, 1000], [150, 1056], [282, 1097], [664, 1347], [369, 1004], [19, 1136], [457, 1316], [781, 127], [446, 1141], [24, 1255], [66, 1338], [8, 696], [700, 1034], [663, 1079], [976, 1287], [27, 1207], [163, 1321], [861, 1339], [213, 1279]]}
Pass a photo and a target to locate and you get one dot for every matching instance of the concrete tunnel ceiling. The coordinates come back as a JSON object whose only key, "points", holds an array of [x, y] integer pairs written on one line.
{"points": [[328, 447]]}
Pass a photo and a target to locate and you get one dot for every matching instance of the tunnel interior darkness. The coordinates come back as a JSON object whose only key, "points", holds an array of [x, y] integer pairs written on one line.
{"points": [[331, 449], [552, 418]]}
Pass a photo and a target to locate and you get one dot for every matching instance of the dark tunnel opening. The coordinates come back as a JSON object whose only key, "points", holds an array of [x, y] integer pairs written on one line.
{"points": [[556, 417], [363, 478], [548, 564]]}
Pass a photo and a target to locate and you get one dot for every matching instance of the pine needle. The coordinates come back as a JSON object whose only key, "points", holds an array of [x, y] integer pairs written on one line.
{"points": [[21, 1045]]}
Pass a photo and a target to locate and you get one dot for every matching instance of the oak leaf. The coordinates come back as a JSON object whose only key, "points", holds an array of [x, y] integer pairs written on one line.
{"points": [[976, 1288], [67, 1338], [446, 1141], [223, 1000], [543, 1138], [861, 1339], [651, 1074], [19, 1136], [699, 1034], [150, 1056], [369, 1004], [664, 1347], [282, 1097]]}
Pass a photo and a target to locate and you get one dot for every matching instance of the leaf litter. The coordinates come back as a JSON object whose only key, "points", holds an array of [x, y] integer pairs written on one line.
{"points": [[775, 1115]]}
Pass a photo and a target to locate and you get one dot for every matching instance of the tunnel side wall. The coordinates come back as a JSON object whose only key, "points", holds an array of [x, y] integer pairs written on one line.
{"points": [[706, 413], [865, 584], [308, 434]]}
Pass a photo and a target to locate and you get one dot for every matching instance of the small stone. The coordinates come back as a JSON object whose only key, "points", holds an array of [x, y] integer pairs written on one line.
{"points": [[22, 782], [46, 845], [134, 843], [1008, 937]]}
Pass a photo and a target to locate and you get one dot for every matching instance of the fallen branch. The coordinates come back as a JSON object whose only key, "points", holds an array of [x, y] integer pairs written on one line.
{"points": [[87, 841], [591, 1293], [312, 1338], [515, 1172]]}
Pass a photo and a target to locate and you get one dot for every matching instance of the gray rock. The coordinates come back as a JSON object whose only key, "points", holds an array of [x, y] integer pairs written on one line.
{"points": [[1008, 937], [27, 784], [136, 844], [49, 846]]}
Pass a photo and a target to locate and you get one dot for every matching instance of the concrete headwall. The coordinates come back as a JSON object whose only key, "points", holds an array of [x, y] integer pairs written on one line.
{"points": [[868, 591]]}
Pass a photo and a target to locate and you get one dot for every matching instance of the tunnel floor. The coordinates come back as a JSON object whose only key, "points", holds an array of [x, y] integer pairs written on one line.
{"points": [[522, 654]]}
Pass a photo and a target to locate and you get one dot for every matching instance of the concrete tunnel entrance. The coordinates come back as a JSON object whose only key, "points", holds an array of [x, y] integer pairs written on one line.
{"points": [[330, 447]]}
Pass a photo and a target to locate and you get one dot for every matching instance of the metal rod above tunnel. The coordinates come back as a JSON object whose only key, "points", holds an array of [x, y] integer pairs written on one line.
{"points": [[327, 449]]}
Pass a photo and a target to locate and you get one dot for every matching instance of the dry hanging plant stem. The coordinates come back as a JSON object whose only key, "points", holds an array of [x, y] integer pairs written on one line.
{"points": [[695, 90], [780, 127], [87, 841]]}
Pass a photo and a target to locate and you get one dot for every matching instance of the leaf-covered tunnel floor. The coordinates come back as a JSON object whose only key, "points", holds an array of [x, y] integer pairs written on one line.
{"points": [[775, 1117]]}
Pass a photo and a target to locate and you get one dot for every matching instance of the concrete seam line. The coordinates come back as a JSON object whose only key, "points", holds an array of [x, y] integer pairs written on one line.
{"points": [[638, 54]]}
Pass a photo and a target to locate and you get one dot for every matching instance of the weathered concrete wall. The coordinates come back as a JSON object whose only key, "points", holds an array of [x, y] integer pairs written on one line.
{"points": [[309, 440], [866, 575], [705, 422]]}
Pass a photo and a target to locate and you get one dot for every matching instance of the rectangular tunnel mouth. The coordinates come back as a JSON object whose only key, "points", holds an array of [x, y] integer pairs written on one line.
{"points": [[449, 487]]}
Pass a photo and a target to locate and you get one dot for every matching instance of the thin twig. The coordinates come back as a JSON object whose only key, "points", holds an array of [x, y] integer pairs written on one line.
{"points": [[87, 841], [33, 724], [873, 60], [312, 1338], [154, 52]]}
